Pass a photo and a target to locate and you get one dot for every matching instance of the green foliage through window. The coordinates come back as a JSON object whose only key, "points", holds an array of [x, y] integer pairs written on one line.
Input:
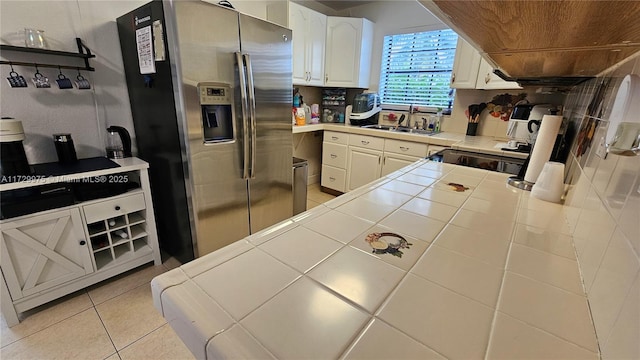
{"points": [[416, 68]]}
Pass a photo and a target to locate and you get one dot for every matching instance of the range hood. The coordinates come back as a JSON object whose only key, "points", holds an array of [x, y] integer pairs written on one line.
{"points": [[545, 42]]}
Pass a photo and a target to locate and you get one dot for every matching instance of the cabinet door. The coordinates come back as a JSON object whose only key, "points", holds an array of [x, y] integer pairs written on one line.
{"points": [[364, 166], [487, 80], [465, 66], [43, 251], [344, 41], [316, 39], [392, 162], [298, 21]]}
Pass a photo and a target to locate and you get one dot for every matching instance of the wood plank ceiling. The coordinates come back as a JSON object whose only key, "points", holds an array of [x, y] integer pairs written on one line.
{"points": [[546, 38]]}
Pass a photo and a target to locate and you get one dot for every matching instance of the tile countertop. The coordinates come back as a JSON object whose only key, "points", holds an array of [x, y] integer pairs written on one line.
{"points": [[404, 267], [483, 144]]}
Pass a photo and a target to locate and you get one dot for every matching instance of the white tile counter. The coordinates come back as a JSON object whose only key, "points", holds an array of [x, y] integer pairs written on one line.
{"points": [[432, 261], [483, 144]]}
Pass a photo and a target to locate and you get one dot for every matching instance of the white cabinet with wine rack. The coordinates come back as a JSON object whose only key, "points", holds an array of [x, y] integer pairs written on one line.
{"points": [[117, 229], [47, 254]]}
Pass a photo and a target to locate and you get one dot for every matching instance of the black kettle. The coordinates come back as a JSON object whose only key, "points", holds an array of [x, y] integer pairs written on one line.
{"points": [[118, 142]]}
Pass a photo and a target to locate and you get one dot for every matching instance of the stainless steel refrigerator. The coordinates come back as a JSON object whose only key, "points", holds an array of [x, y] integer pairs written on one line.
{"points": [[210, 92]]}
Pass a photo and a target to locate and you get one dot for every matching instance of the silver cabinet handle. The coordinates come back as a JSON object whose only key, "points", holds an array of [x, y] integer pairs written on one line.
{"points": [[403, 148], [364, 142], [487, 78], [333, 156], [453, 78], [334, 138], [332, 178]]}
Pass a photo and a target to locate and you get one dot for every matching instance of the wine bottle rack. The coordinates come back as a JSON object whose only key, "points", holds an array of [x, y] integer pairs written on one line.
{"points": [[118, 237]]}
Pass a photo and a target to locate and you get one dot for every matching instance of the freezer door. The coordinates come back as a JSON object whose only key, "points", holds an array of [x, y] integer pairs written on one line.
{"points": [[208, 38], [268, 50]]}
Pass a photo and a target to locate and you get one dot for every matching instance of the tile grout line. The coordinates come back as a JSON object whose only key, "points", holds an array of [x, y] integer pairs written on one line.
{"points": [[504, 275]]}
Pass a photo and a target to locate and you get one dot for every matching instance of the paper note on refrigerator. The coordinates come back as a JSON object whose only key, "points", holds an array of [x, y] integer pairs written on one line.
{"points": [[144, 41]]}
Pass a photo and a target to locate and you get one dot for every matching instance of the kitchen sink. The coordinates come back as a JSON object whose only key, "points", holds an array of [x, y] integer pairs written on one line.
{"points": [[401, 129]]}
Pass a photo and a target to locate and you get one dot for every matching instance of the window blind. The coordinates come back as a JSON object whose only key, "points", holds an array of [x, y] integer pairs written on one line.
{"points": [[416, 68]]}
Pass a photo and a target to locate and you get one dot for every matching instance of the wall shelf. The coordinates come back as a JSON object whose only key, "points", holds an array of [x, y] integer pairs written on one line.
{"points": [[83, 53]]}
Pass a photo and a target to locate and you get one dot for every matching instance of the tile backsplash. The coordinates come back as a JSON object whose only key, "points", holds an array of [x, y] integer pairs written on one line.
{"points": [[603, 213]]}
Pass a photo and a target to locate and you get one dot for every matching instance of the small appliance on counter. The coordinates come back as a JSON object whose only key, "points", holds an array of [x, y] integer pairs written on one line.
{"points": [[524, 124], [366, 109], [65, 149], [13, 159], [118, 142]]}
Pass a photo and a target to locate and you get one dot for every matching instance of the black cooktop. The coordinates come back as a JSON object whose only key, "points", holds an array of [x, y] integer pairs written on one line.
{"points": [[496, 163]]}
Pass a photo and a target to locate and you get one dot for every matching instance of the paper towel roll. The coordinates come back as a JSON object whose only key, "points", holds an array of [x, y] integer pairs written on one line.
{"points": [[543, 147]]}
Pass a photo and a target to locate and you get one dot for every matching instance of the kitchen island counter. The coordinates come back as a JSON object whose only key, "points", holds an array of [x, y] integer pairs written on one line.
{"points": [[431, 261]]}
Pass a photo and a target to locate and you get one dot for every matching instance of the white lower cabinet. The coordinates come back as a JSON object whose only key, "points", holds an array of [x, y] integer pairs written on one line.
{"points": [[334, 161], [333, 178], [351, 160], [365, 165], [49, 254], [392, 162], [117, 230], [43, 251], [398, 154]]}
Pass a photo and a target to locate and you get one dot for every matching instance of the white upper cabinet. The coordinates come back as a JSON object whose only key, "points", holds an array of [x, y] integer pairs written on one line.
{"points": [[487, 80], [348, 52], [471, 71], [309, 32], [465, 66]]}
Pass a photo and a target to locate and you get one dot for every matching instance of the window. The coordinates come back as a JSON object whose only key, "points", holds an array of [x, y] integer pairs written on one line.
{"points": [[416, 68]]}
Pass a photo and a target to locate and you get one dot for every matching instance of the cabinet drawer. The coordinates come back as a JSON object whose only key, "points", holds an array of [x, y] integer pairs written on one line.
{"points": [[112, 208], [333, 178], [336, 137], [334, 155], [368, 142], [405, 147]]}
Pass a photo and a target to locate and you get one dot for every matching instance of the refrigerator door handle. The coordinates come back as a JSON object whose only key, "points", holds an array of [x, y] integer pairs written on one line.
{"points": [[252, 114], [245, 120]]}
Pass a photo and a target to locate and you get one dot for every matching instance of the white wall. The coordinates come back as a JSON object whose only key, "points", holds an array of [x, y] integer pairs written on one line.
{"points": [[83, 113]]}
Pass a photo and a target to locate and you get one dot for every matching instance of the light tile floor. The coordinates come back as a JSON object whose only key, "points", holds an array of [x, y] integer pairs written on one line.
{"points": [[112, 320]]}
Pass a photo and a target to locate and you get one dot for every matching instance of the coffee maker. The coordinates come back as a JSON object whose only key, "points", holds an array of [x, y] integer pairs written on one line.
{"points": [[13, 158], [524, 124]]}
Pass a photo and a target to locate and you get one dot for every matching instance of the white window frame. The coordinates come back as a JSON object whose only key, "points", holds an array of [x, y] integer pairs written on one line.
{"points": [[384, 72]]}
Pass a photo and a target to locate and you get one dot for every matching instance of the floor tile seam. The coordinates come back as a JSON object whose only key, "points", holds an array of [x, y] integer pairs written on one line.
{"points": [[104, 326], [96, 305], [143, 336], [52, 324]]}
